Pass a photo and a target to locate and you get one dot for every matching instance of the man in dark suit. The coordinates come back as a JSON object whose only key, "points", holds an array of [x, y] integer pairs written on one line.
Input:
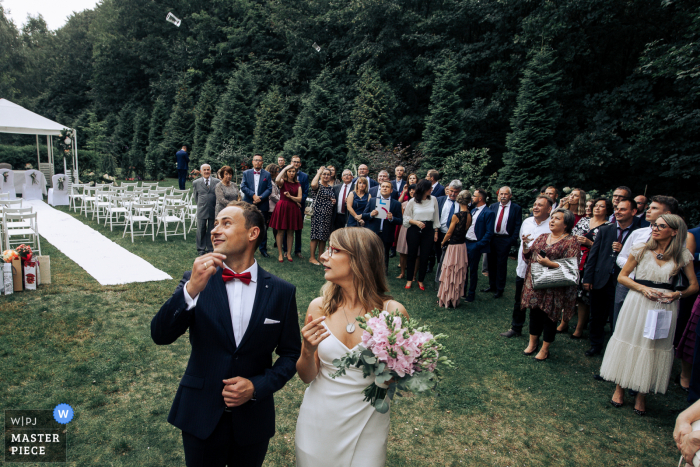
{"points": [[642, 206], [509, 218], [399, 183], [341, 193], [205, 198], [383, 227], [433, 177], [237, 315], [363, 171], [478, 240], [183, 159], [600, 273], [256, 186], [383, 176]]}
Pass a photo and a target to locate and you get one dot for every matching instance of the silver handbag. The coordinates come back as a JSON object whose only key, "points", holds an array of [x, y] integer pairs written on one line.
{"points": [[565, 275]]}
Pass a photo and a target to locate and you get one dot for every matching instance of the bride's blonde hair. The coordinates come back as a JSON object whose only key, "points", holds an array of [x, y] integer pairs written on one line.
{"points": [[674, 250], [366, 253]]}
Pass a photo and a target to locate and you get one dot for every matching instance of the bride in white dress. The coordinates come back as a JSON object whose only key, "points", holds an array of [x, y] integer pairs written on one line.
{"points": [[336, 427]]}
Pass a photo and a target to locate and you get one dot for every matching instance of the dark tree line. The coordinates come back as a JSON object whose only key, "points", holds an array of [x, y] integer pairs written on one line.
{"points": [[589, 93]]}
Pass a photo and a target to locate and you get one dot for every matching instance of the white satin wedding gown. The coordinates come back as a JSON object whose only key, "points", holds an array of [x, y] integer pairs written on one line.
{"points": [[336, 427]]}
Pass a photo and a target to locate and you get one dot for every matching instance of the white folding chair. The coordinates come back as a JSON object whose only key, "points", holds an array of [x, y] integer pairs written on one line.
{"points": [[4, 196], [191, 214], [149, 185], [172, 215], [76, 195], [119, 206], [141, 214], [102, 203], [23, 234]]}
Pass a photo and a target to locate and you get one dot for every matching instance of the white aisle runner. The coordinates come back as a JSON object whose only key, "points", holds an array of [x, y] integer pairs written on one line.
{"points": [[103, 259]]}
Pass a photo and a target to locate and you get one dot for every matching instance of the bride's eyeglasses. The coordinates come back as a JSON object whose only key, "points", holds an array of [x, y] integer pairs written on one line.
{"points": [[330, 250]]}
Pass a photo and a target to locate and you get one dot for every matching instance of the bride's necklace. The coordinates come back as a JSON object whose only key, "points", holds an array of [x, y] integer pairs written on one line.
{"points": [[350, 328], [659, 256]]}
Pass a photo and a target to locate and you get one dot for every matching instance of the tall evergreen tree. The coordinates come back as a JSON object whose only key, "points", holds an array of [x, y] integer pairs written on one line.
{"points": [[155, 158], [203, 115], [532, 151], [180, 127], [444, 135], [120, 142], [271, 124], [139, 143], [320, 129], [235, 117], [371, 115]]}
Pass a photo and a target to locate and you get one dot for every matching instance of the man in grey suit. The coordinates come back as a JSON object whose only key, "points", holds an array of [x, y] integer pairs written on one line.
{"points": [[205, 198]]}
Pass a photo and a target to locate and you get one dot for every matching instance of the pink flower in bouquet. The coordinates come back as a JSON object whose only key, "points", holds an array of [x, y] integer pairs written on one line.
{"points": [[24, 252]]}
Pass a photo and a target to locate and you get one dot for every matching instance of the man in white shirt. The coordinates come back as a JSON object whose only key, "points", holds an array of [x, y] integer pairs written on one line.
{"points": [[478, 240], [448, 207], [224, 403], [532, 228], [341, 193], [659, 205]]}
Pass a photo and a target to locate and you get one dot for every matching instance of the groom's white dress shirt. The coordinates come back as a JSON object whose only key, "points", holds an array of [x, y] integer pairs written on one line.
{"points": [[241, 298]]}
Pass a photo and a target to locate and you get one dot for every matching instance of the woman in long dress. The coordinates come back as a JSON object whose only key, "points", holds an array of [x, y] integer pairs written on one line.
{"points": [[401, 245], [631, 360], [336, 427], [454, 265], [287, 216]]}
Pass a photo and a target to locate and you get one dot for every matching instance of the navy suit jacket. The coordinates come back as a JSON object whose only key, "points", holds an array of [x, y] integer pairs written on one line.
{"points": [[483, 229], [438, 191], [374, 191], [398, 187], [600, 263], [264, 188], [515, 220], [198, 403], [182, 159], [373, 223]]}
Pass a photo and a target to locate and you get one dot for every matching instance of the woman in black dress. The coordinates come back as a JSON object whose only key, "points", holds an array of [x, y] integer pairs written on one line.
{"points": [[324, 201]]}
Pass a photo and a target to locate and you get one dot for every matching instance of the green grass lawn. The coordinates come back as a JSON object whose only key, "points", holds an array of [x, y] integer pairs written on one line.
{"points": [[89, 346]]}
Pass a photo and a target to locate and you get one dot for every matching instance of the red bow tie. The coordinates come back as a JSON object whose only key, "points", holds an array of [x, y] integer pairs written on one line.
{"points": [[256, 173], [229, 275]]}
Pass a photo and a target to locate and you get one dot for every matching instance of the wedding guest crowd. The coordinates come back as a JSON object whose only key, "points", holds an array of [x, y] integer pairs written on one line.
{"points": [[628, 252]]}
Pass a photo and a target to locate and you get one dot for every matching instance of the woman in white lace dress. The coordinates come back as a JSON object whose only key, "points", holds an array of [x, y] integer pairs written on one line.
{"points": [[336, 427], [631, 360]]}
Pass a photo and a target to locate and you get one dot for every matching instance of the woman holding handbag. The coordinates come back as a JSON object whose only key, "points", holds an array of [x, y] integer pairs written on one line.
{"points": [[632, 360], [546, 304]]}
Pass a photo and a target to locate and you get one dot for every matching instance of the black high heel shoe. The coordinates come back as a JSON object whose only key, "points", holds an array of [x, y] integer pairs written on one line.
{"points": [[542, 359], [617, 405], [537, 347]]}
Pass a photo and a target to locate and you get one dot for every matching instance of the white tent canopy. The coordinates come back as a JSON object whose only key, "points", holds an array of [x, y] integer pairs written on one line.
{"points": [[18, 120]]}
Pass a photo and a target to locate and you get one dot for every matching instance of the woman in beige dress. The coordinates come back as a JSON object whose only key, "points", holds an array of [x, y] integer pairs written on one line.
{"points": [[631, 360]]}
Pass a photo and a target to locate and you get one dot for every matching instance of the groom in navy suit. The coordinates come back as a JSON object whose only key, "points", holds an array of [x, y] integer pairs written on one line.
{"points": [[256, 186], [237, 315]]}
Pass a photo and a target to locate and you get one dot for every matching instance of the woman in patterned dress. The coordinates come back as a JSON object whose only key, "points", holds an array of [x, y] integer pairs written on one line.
{"points": [[401, 245], [585, 232], [546, 305], [324, 200]]}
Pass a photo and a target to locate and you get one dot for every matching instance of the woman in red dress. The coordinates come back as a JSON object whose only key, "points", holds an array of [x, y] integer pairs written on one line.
{"points": [[287, 215]]}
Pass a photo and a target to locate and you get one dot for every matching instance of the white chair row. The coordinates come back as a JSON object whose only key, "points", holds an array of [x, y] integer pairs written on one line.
{"points": [[19, 226]]}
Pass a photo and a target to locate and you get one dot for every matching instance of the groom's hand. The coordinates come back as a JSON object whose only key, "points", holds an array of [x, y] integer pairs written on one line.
{"points": [[203, 268], [237, 391]]}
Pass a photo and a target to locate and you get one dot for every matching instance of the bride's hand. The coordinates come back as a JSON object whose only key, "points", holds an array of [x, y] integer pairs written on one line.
{"points": [[313, 333]]}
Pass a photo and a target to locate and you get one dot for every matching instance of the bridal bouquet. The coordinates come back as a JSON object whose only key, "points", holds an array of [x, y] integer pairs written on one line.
{"points": [[401, 356]]}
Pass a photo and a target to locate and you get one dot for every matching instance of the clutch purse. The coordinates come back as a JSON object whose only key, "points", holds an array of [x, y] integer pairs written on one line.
{"points": [[680, 282], [565, 275]]}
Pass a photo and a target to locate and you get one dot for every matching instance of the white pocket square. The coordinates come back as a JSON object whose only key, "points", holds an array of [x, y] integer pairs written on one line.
{"points": [[271, 321]]}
